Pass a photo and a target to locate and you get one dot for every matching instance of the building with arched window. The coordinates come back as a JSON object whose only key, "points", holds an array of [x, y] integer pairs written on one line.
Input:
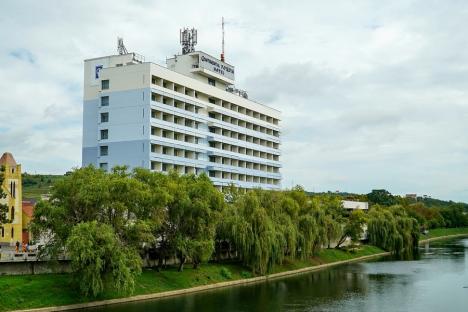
{"points": [[11, 232]]}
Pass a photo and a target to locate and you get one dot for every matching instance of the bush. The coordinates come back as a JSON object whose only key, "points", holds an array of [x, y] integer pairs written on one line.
{"points": [[226, 273], [246, 274]]}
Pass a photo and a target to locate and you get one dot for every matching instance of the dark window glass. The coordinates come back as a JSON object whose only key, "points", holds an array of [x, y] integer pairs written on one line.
{"points": [[105, 84], [104, 150], [104, 101], [104, 117], [104, 134], [211, 82]]}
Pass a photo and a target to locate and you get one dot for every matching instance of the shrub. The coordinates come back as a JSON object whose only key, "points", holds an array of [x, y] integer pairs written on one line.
{"points": [[226, 273]]}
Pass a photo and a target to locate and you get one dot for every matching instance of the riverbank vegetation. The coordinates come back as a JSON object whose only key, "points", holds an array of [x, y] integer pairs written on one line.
{"points": [[35, 291], [109, 223]]}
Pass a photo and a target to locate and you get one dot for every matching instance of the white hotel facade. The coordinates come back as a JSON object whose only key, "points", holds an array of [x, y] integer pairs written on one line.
{"points": [[180, 117]]}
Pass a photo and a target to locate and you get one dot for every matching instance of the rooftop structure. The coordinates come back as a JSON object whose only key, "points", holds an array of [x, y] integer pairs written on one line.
{"points": [[355, 205]]}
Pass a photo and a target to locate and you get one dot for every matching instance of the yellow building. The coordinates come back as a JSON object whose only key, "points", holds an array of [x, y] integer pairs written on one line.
{"points": [[11, 232]]}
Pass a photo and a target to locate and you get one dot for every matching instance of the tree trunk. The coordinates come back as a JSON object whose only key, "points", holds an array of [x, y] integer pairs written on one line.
{"points": [[160, 263], [195, 265], [181, 264]]}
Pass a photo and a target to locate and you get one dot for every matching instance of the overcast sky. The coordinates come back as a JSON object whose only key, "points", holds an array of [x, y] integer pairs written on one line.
{"points": [[373, 93]]}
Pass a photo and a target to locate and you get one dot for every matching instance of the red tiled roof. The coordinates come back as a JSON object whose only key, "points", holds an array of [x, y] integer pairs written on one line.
{"points": [[7, 159]]}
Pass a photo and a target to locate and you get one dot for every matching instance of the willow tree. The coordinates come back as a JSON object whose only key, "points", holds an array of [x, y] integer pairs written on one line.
{"points": [[100, 260], [89, 194], [253, 232], [192, 216], [392, 229]]}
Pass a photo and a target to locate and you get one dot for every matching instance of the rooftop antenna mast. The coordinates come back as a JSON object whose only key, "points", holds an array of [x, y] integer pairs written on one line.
{"points": [[222, 42], [188, 40], [121, 47]]}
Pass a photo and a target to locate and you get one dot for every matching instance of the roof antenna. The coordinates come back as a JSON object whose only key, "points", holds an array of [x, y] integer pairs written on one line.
{"points": [[222, 44], [121, 47], [188, 40]]}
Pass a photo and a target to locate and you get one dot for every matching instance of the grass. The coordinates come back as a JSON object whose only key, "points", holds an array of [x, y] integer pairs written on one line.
{"points": [[36, 185], [444, 232], [34, 291]]}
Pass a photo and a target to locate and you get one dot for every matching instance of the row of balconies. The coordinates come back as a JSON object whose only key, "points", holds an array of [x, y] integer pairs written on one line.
{"points": [[189, 122], [175, 103], [243, 150], [243, 137], [165, 167], [182, 121], [174, 135], [243, 123], [231, 106], [172, 151], [242, 177], [243, 164]]}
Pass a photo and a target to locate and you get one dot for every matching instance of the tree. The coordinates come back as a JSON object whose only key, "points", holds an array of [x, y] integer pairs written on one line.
{"points": [[100, 260], [381, 197], [89, 194], [3, 207], [354, 227], [391, 229], [192, 216]]}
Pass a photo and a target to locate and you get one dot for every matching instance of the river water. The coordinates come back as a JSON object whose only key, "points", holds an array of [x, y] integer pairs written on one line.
{"points": [[437, 280]]}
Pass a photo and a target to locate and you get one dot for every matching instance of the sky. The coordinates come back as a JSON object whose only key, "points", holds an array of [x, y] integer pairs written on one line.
{"points": [[373, 94]]}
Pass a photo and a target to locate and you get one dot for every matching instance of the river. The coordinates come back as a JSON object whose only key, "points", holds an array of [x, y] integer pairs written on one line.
{"points": [[437, 280]]}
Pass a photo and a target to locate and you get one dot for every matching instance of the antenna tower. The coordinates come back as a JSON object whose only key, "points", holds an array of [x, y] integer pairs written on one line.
{"points": [[222, 42], [121, 47], [188, 40]]}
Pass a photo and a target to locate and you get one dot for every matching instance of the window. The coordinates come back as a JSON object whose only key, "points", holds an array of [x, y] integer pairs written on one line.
{"points": [[104, 117], [13, 189], [212, 101], [105, 84], [104, 150], [2, 231], [12, 232], [104, 134], [12, 218], [104, 101], [211, 82], [103, 166]]}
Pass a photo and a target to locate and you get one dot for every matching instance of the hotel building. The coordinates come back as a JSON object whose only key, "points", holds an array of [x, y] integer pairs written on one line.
{"points": [[185, 116]]}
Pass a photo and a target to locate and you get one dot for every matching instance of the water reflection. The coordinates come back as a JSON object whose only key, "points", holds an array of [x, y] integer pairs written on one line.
{"points": [[432, 280]]}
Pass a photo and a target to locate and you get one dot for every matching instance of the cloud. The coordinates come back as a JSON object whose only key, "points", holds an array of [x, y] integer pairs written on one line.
{"points": [[373, 95]]}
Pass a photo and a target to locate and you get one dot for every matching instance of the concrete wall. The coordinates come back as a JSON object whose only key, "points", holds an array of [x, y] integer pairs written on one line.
{"points": [[36, 267]]}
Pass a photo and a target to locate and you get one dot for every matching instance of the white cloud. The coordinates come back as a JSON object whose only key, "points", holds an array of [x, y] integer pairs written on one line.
{"points": [[372, 94]]}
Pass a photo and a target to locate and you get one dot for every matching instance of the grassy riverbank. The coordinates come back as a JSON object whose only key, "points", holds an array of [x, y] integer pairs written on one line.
{"points": [[34, 291], [445, 232]]}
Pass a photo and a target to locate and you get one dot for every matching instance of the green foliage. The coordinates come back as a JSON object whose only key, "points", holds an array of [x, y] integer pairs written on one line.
{"points": [[353, 227], [381, 197], [226, 273], [454, 216], [391, 229], [100, 261]]}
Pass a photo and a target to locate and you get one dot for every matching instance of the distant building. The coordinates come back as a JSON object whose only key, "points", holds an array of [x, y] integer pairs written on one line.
{"points": [[355, 205], [412, 196], [11, 232]]}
